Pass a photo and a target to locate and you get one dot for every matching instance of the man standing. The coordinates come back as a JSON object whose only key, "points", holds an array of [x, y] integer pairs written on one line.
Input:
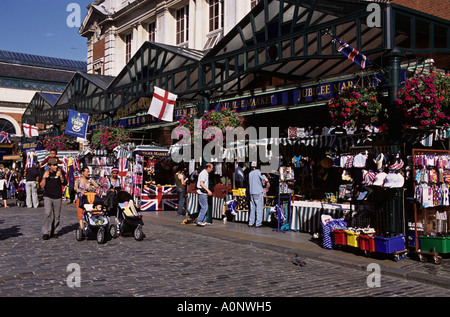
{"points": [[32, 175], [255, 180], [52, 182], [203, 193]]}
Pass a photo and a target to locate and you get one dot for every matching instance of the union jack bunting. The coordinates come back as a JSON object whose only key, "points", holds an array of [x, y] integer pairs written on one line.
{"points": [[159, 198], [4, 137], [352, 54]]}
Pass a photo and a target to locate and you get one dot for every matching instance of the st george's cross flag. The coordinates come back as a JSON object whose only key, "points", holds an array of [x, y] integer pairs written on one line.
{"points": [[353, 54], [30, 130], [163, 104]]}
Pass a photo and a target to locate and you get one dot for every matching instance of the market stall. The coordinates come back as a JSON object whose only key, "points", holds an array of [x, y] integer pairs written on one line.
{"points": [[153, 179]]}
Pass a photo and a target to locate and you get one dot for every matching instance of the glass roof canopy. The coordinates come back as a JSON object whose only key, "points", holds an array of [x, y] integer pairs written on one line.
{"points": [[280, 42]]}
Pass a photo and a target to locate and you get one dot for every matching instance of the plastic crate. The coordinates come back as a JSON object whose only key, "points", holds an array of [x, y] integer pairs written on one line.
{"points": [[339, 237], [352, 238], [367, 243], [435, 244], [390, 245]]}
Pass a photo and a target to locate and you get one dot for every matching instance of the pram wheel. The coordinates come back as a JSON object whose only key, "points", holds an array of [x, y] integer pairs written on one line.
{"points": [[113, 231], [101, 236], [79, 234], [138, 233]]}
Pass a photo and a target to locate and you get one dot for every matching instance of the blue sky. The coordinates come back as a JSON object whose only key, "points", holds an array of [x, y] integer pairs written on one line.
{"points": [[40, 27]]}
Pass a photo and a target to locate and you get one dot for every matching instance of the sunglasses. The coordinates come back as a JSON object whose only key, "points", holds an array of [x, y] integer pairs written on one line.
{"points": [[52, 164]]}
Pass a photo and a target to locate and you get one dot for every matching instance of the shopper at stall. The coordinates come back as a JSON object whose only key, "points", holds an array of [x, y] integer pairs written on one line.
{"points": [[203, 193], [84, 184], [180, 182], [256, 186], [239, 176], [52, 182], [32, 175]]}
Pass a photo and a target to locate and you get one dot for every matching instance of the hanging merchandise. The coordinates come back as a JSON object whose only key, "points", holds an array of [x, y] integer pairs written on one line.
{"points": [[432, 201]]}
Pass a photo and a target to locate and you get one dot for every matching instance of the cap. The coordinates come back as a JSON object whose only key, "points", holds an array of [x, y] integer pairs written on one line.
{"points": [[52, 161]]}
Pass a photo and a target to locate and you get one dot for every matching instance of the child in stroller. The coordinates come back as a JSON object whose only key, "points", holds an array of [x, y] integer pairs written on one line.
{"points": [[128, 219], [95, 219], [21, 194]]}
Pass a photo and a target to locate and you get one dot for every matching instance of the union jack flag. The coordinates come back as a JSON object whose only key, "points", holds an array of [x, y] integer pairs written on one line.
{"points": [[123, 170], [353, 54], [4, 137], [159, 198]]}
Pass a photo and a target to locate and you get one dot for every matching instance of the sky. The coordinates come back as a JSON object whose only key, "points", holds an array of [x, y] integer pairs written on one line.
{"points": [[40, 27]]}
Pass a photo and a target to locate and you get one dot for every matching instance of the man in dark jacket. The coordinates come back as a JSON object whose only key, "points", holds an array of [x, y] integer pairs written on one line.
{"points": [[52, 182]]}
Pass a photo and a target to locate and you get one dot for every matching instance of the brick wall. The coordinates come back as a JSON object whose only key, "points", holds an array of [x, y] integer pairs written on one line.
{"points": [[439, 8]]}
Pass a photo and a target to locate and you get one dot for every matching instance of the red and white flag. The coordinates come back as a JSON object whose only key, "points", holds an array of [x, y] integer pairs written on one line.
{"points": [[30, 130], [163, 104]]}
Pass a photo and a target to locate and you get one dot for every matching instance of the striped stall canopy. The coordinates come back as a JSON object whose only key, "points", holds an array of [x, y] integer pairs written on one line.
{"points": [[42, 155], [305, 216]]}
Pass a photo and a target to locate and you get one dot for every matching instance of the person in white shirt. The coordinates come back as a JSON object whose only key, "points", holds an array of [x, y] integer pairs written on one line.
{"points": [[203, 193]]}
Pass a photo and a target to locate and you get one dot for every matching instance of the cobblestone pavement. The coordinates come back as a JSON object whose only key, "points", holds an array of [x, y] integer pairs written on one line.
{"points": [[170, 261]]}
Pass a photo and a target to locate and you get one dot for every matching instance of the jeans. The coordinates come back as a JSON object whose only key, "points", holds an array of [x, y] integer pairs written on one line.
{"points": [[256, 209], [181, 201], [32, 197], [52, 208], [203, 201]]}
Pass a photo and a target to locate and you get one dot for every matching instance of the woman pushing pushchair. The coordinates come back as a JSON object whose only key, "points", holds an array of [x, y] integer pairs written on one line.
{"points": [[84, 184]]}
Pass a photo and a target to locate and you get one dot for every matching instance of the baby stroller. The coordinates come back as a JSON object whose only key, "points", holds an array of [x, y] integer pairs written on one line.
{"points": [[128, 219], [21, 194], [95, 219]]}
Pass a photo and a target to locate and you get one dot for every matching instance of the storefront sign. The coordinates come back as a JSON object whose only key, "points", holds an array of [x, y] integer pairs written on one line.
{"points": [[289, 97]]}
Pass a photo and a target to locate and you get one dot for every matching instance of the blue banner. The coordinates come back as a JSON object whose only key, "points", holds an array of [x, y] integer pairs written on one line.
{"points": [[77, 124]]}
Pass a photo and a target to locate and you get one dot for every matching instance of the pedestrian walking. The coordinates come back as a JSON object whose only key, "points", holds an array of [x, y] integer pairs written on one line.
{"points": [[203, 193], [52, 182], [32, 175], [180, 182], [3, 186], [256, 180]]}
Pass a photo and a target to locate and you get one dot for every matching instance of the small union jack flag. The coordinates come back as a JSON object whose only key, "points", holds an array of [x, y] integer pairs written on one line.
{"points": [[123, 170], [353, 54], [4, 137], [159, 198]]}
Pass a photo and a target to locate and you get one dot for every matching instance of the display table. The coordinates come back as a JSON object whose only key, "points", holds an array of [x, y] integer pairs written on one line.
{"points": [[157, 198], [305, 215], [217, 208]]}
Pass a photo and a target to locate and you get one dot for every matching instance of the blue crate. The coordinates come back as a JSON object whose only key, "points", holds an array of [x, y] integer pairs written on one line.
{"points": [[390, 245]]}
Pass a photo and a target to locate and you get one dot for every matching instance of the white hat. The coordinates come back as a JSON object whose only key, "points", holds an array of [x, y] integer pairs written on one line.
{"points": [[394, 180], [379, 179], [390, 180]]}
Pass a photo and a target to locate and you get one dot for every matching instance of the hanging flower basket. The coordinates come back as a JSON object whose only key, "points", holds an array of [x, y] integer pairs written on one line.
{"points": [[356, 107], [425, 100], [223, 120], [108, 138], [60, 143]]}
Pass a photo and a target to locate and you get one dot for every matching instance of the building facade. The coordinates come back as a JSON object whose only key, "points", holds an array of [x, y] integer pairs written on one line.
{"points": [[24, 75], [116, 29]]}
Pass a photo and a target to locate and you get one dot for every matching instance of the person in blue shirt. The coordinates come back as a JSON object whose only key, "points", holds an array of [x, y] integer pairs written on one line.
{"points": [[256, 182]]}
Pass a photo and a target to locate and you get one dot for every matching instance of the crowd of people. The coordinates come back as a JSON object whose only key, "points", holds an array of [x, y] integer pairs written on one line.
{"points": [[199, 182]]}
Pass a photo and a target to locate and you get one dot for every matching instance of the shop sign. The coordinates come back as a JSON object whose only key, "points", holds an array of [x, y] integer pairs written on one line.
{"points": [[31, 146], [289, 97]]}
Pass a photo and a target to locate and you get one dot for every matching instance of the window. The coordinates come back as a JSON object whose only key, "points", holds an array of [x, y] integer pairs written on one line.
{"points": [[215, 15], [128, 47], [182, 17], [152, 32]]}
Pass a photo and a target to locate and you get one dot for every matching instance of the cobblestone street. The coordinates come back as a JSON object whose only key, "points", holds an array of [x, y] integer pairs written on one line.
{"points": [[171, 261]]}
